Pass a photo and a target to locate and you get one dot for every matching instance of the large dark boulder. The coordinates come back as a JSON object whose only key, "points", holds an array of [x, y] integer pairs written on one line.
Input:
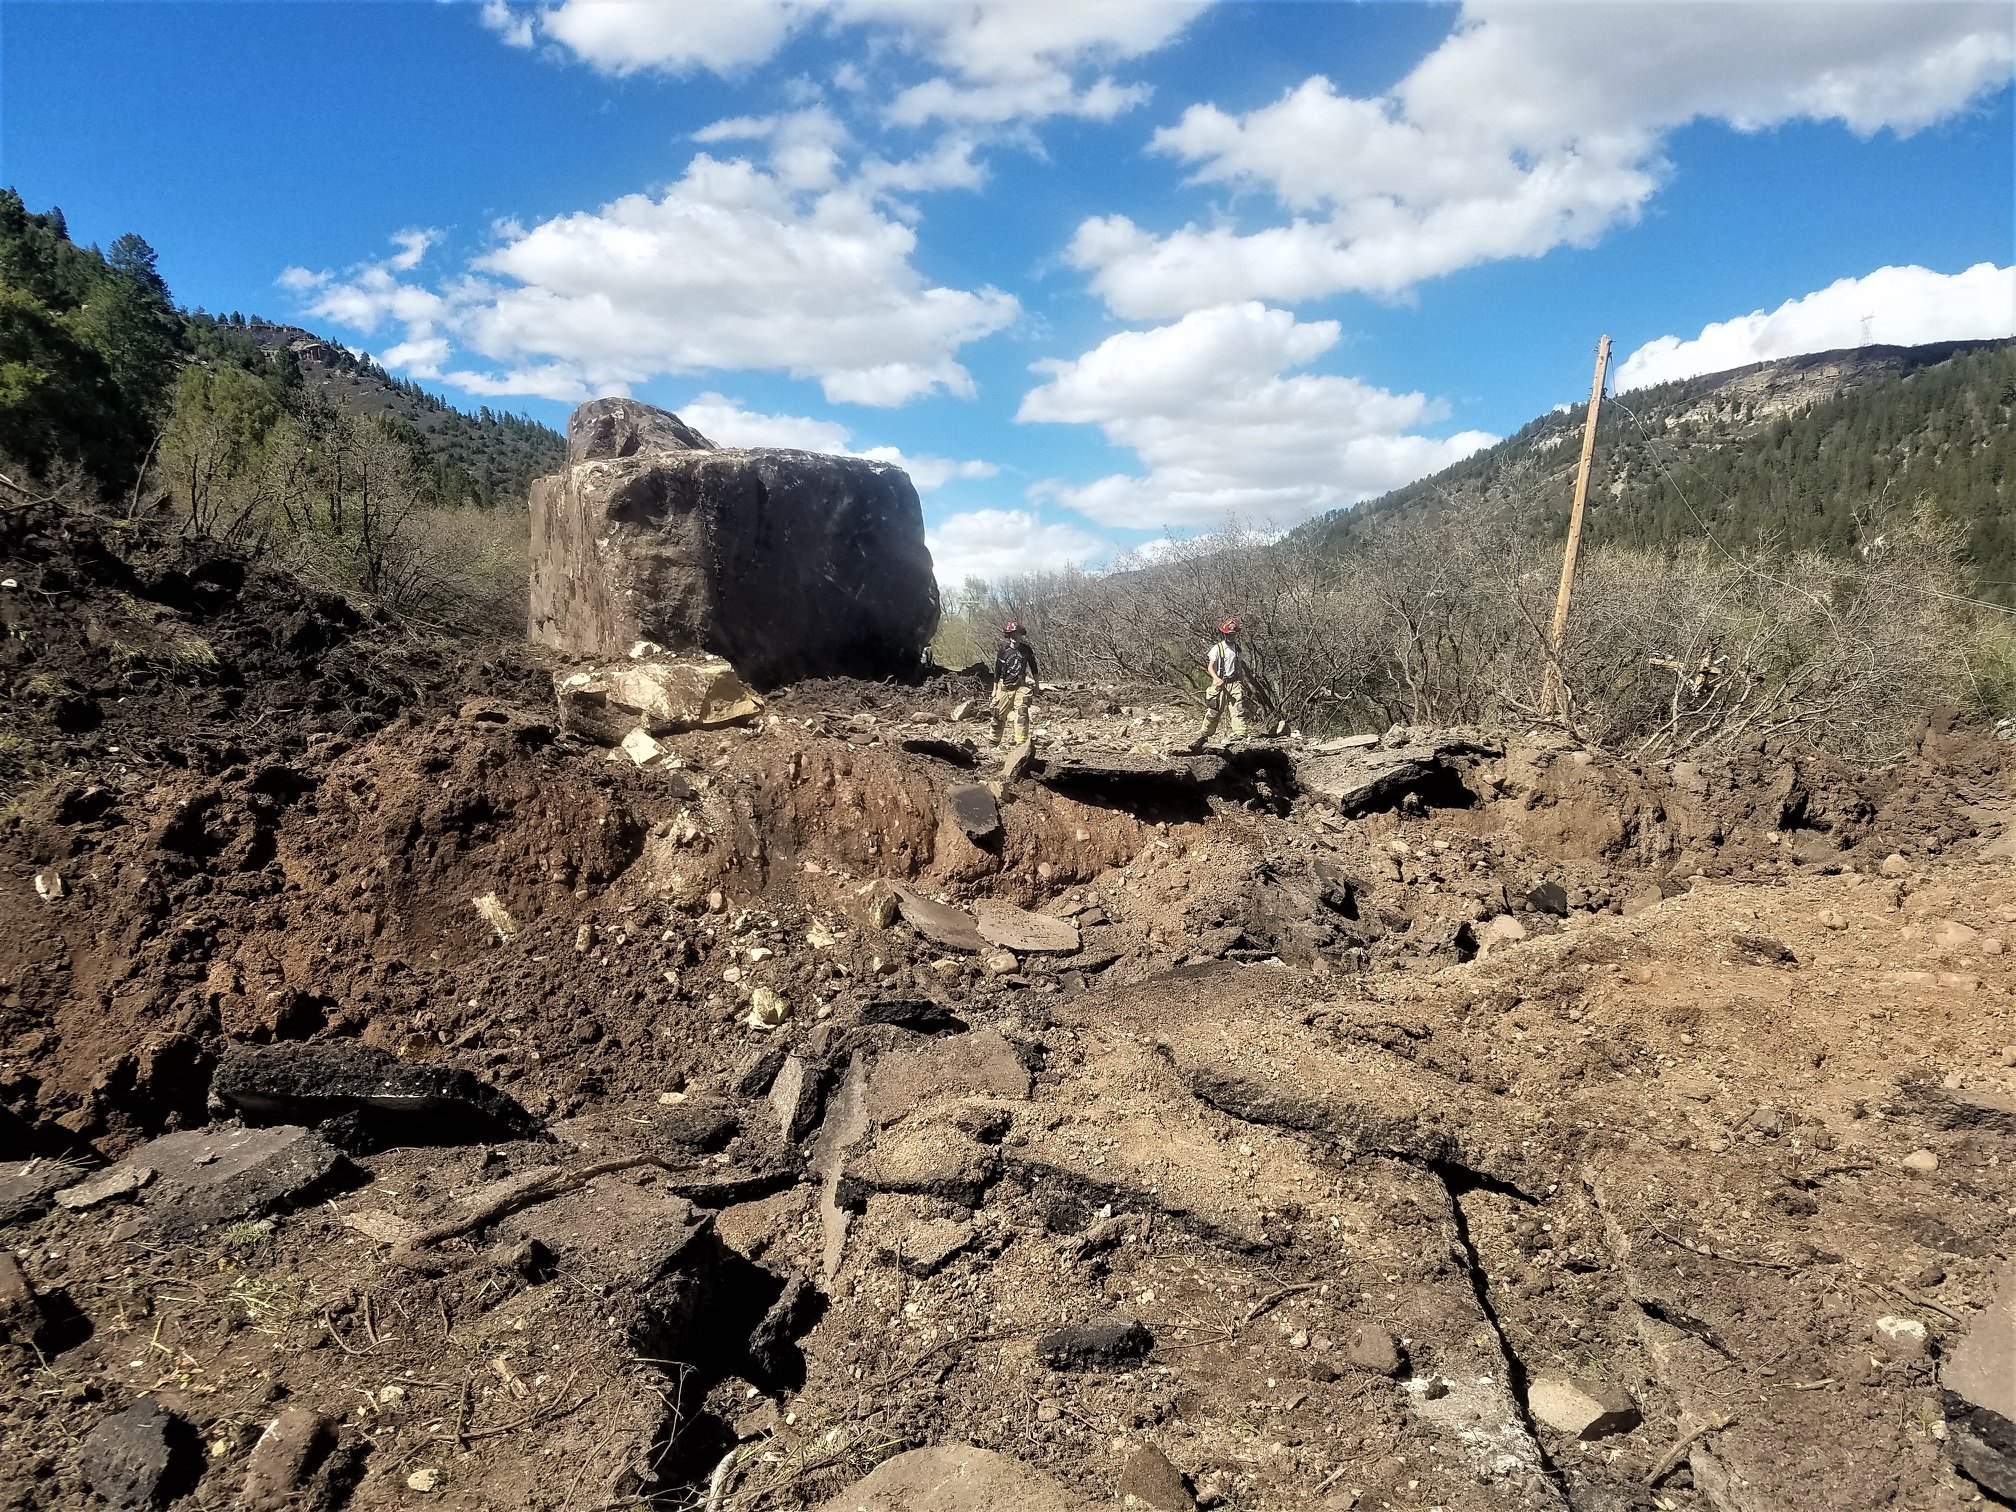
{"points": [[790, 564]]}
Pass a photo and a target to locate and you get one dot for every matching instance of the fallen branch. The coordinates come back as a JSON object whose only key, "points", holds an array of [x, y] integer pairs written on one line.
{"points": [[558, 1184], [1703, 1250], [1670, 1460], [718, 1481], [1276, 1297], [942, 1345]]}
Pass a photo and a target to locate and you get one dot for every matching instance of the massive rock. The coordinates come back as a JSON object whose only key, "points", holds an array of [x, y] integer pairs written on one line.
{"points": [[788, 563]]}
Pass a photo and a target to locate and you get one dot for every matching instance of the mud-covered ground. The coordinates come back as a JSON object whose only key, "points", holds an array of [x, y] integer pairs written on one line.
{"points": [[1382, 1118]]}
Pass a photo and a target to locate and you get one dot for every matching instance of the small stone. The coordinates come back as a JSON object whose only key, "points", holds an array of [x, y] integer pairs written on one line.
{"points": [[584, 939], [1000, 963], [1894, 865], [641, 748], [1832, 920], [1901, 1338], [1149, 1480], [717, 902], [1952, 936], [1497, 932], [1373, 1348], [49, 885], [819, 937], [1924, 1162], [284, 1458], [1582, 1408], [766, 1009], [1048, 1412], [423, 1480], [884, 911]]}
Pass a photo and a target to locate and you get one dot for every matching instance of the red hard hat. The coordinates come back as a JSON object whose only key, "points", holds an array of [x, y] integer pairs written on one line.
{"points": [[1013, 627], [1230, 627]]}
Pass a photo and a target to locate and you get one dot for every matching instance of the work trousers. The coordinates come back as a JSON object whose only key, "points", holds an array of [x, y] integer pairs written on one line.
{"points": [[1011, 712], [1231, 692]]}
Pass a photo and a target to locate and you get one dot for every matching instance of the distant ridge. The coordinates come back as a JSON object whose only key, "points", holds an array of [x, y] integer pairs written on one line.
{"points": [[1797, 450]]}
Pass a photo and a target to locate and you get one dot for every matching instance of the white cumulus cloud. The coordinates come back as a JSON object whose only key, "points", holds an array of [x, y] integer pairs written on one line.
{"points": [[991, 544], [731, 267], [1530, 127], [726, 422], [996, 61], [1889, 307], [1225, 427]]}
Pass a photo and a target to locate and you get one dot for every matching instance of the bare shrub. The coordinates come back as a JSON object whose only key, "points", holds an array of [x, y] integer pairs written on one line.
{"points": [[1446, 621]]}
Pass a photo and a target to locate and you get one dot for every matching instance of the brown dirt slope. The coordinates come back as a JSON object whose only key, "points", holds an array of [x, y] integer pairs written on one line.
{"points": [[1553, 1080]]}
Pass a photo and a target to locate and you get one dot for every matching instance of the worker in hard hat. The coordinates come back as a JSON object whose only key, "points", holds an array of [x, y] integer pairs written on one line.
{"points": [[1014, 683], [1226, 663]]}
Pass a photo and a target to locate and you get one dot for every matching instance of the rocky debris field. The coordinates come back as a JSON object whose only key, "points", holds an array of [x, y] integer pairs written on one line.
{"points": [[418, 1093]]}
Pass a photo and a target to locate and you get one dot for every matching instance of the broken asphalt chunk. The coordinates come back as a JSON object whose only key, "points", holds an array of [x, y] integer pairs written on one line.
{"points": [[974, 810], [797, 1097], [940, 923], [920, 1015], [1015, 928], [381, 1100], [206, 1177], [141, 1457], [1115, 1343], [1979, 1393]]}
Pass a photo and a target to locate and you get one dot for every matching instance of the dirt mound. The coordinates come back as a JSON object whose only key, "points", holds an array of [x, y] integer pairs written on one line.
{"points": [[1537, 1128]]}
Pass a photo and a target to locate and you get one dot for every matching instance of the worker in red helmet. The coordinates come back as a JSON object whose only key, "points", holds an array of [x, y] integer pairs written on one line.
{"points": [[1014, 683], [1226, 662]]}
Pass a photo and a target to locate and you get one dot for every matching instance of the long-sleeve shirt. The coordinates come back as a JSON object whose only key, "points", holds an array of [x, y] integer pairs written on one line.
{"points": [[1015, 663]]}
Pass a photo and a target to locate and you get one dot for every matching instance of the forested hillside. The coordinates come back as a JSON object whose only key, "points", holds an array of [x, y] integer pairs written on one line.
{"points": [[92, 346], [1795, 454], [263, 435]]}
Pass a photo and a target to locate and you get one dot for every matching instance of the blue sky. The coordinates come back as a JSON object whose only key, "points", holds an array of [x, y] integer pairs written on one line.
{"points": [[1094, 271]]}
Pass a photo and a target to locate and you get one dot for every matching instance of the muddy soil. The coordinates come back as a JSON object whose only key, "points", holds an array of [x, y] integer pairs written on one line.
{"points": [[1691, 1083]]}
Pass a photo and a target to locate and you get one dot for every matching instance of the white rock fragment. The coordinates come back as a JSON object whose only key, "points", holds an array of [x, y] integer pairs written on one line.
{"points": [[496, 915]]}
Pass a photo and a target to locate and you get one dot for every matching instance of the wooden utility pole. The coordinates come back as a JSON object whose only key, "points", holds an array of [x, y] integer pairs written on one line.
{"points": [[1551, 700]]}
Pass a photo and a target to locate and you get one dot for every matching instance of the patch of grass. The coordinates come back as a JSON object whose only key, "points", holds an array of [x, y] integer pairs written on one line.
{"points": [[248, 1236], [192, 651], [272, 1303]]}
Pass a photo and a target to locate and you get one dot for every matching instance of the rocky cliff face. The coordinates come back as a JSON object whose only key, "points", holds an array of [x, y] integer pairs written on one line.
{"points": [[790, 564]]}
